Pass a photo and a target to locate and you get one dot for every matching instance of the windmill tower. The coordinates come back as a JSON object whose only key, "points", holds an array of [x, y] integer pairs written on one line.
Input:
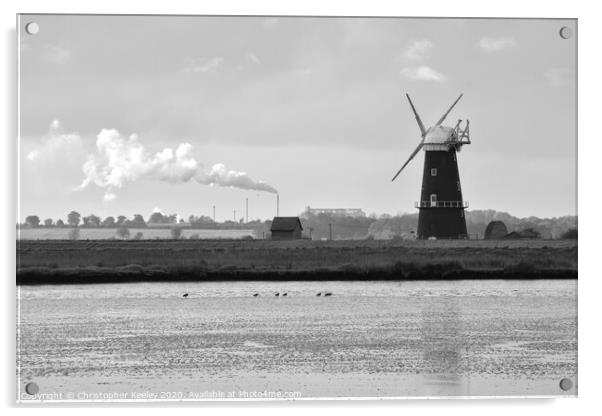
{"points": [[441, 207]]}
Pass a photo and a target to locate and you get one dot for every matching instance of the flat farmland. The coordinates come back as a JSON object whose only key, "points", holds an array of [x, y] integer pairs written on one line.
{"points": [[150, 233], [40, 261]]}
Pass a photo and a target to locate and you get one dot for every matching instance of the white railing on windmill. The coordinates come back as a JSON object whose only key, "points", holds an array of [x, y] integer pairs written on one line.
{"points": [[438, 137]]}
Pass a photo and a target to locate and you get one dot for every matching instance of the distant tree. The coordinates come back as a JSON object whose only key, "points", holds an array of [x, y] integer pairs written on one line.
{"points": [[109, 222], [194, 236], [74, 234], [571, 234], [32, 221], [176, 233], [201, 220], [137, 221], [91, 221], [138, 236], [73, 218], [123, 232], [48, 222], [156, 218], [60, 223], [121, 220]]}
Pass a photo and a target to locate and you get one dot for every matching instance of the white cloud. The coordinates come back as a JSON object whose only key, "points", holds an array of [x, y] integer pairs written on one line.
{"points": [[203, 65], [254, 58], [57, 145], [120, 160], [57, 54], [557, 77], [418, 50], [496, 44], [422, 73]]}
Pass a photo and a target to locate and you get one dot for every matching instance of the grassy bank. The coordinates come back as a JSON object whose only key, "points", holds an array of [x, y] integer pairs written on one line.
{"points": [[94, 261]]}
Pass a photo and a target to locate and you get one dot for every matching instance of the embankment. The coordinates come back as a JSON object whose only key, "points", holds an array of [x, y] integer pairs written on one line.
{"points": [[106, 261]]}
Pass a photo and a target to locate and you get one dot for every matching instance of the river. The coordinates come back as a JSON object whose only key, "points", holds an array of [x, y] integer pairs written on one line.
{"points": [[368, 339]]}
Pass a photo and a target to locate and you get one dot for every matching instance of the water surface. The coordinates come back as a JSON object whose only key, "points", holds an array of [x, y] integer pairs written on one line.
{"points": [[368, 339]]}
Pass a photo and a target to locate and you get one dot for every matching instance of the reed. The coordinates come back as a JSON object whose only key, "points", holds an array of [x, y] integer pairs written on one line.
{"points": [[114, 260]]}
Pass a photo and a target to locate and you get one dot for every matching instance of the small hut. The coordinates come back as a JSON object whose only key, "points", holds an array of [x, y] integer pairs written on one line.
{"points": [[286, 228], [496, 230]]}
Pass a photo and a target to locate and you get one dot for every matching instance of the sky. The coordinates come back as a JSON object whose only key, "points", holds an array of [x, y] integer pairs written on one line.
{"points": [[136, 114]]}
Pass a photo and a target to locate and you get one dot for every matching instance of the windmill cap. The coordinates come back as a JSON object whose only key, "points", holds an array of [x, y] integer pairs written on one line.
{"points": [[438, 135]]}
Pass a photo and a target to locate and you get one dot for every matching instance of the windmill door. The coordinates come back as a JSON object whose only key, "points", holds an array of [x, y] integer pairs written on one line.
{"points": [[433, 200]]}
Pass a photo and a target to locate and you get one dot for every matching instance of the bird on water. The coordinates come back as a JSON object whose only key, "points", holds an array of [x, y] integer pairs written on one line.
{"points": [[256, 294], [277, 294], [319, 294], [328, 294], [185, 295]]}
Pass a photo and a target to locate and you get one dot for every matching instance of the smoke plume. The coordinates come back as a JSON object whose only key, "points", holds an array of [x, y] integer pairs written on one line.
{"points": [[120, 160]]}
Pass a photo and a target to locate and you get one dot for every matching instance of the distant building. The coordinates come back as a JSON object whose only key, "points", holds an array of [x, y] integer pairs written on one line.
{"points": [[286, 228], [527, 233], [496, 230], [342, 212]]}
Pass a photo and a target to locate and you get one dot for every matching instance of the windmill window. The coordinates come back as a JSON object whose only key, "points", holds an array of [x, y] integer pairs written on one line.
{"points": [[434, 172]]}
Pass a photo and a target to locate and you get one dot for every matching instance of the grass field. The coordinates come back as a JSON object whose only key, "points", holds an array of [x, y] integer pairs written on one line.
{"points": [[111, 233], [40, 261]]}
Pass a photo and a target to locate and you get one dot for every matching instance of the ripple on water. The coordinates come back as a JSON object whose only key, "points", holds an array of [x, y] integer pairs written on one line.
{"points": [[138, 332]]}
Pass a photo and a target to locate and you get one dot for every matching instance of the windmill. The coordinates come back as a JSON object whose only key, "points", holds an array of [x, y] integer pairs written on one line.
{"points": [[441, 207]]}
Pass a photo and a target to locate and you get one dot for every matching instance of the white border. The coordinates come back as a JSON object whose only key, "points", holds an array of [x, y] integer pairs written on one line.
{"points": [[589, 174]]}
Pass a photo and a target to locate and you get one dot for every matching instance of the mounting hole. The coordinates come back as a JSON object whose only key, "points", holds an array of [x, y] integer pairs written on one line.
{"points": [[32, 28], [566, 32], [32, 388], [566, 384]]}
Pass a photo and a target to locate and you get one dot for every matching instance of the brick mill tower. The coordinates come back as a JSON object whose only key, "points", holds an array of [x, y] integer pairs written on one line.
{"points": [[441, 207]]}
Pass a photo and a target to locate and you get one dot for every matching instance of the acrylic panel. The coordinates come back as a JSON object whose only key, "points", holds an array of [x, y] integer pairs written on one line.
{"points": [[207, 210]]}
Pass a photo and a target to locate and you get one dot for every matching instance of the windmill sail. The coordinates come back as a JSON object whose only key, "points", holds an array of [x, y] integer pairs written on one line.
{"points": [[423, 131], [418, 120], [409, 159], [448, 111]]}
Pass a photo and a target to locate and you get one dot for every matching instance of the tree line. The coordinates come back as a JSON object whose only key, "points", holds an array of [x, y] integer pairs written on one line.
{"points": [[320, 226], [123, 224], [75, 219]]}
